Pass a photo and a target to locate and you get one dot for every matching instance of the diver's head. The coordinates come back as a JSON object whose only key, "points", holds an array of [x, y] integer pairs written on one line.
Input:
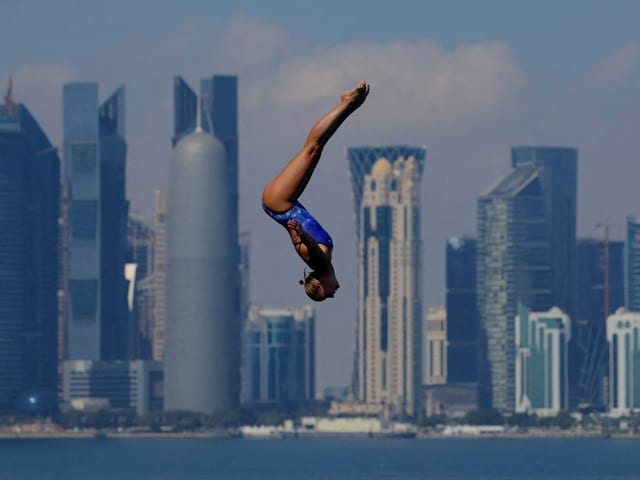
{"points": [[317, 288]]}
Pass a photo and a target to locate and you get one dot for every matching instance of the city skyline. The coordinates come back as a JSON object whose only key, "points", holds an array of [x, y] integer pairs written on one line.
{"points": [[575, 86]]}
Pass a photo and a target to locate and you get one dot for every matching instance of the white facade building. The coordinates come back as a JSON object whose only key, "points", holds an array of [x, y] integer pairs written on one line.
{"points": [[623, 335], [386, 185], [541, 377]]}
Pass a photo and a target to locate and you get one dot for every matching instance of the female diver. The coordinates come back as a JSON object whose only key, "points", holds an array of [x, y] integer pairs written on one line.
{"points": [[280, 198]]}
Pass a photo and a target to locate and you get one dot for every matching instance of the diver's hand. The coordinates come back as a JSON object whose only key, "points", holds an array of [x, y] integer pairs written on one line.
{"points": [[295, 225]]}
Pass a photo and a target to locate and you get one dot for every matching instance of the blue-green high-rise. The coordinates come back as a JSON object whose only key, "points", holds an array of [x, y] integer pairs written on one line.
{"points": [[526, 254], [95, 156], [29, 209], [279, 355], [462, 311], [541, 340]]}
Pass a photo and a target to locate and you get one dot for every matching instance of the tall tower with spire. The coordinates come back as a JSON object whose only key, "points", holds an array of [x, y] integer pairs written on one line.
{"points": [[202, 344]]}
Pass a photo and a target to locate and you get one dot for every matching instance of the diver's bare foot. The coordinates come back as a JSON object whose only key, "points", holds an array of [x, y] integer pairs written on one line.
{"points": [[356, 96]]}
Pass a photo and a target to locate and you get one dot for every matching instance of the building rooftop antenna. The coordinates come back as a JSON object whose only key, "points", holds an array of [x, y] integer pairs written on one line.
{"points": [[198, 114]]}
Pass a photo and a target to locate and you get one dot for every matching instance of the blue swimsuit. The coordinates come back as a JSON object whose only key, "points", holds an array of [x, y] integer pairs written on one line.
{"points": [[307, 222]]}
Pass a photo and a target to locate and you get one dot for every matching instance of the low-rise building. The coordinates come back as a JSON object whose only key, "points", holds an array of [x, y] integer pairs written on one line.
{"points": [[135, 384]]}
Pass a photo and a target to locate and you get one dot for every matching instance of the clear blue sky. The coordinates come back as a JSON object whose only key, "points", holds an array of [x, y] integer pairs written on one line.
{"points": [[466, 78]]}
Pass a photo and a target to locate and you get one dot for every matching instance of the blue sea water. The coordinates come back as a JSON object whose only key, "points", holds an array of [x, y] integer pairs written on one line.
{"points": [[311, 459]]}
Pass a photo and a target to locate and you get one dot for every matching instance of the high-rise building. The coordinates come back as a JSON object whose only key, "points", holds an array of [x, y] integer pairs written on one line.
{"points": [[436, 346], [29, 209], [600, 292], [542, 382], [202, 328], [462, 311], [525, 254], [159, 276], [623, 335], [386, 189], [632, 264], [95, 165], [279, 355], [558, 171]]}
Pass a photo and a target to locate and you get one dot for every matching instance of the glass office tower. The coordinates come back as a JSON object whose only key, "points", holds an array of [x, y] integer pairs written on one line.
{"points": [[386, 189], [462, 311], [558, 176], [513, 266], [29, 210], [526, 254], [95, 166]]}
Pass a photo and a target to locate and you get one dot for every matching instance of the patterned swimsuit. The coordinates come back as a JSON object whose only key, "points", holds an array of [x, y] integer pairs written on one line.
{"points": [[307, 222]]}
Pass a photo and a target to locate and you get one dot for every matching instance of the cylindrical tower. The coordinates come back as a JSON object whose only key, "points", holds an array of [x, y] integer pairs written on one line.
{"points": [[201, 365]]}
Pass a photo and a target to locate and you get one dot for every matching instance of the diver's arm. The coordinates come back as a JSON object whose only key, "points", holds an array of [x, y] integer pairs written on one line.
{"points": [[307, 246]]}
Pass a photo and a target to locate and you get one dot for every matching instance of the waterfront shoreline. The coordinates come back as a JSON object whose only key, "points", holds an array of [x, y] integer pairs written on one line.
{"points": [[225, 434]]}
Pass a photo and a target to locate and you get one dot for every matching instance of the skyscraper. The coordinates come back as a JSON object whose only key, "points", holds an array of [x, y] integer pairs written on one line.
{"points": [[526, 254], [95, 156], [542, 385], [462, 311], [202, 344], [632, 264], [279, 355], [29, 209], [386, 189], [600, 293]]}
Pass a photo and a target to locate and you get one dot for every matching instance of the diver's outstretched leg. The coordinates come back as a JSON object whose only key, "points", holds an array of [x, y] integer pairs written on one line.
{"points": [[288, 185]]}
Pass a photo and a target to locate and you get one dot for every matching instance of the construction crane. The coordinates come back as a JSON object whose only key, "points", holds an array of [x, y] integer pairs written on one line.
{"points": [[606, 295], [8, 99]]}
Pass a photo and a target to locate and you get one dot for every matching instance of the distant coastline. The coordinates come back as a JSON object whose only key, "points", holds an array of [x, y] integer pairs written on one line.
{"points": [[5, 435]]}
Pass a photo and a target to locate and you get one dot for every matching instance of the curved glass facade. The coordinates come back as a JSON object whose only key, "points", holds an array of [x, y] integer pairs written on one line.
{"points": [[526, 254]]}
